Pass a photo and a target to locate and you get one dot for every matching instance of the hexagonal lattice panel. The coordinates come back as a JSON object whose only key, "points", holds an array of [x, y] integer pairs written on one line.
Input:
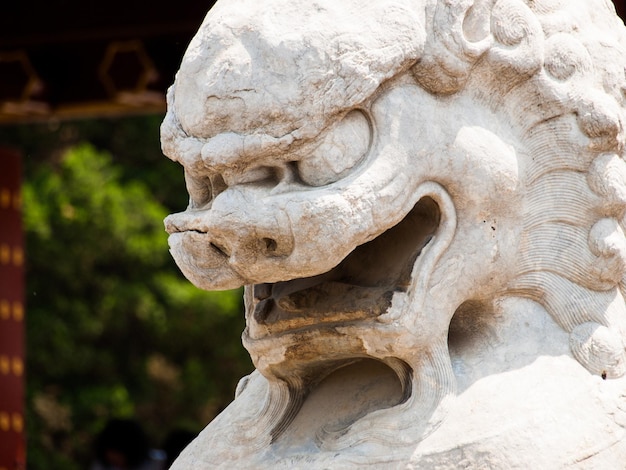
{"points": [[126, 68], [19, 79]]}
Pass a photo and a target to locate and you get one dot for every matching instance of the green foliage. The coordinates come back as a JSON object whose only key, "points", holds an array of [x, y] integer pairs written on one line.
{"points": [[113, 329]]}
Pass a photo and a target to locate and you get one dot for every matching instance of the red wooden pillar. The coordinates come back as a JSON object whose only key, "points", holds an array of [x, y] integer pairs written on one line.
{"points": [[12, 448]]}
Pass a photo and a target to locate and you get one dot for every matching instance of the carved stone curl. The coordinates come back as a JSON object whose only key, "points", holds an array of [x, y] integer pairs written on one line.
{"points": [[425, 200]]}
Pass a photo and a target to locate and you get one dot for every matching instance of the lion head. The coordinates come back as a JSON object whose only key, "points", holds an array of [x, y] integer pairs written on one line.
{"points": [[376, 173]]}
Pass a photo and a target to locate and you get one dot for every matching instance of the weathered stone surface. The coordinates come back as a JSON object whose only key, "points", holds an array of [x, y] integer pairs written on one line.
{"points": [[425, 200]]}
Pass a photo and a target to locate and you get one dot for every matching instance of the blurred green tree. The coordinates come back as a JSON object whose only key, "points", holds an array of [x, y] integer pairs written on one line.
{"points": [[113, 329]]}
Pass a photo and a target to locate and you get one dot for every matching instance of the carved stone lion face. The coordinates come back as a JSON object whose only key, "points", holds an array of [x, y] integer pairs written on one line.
{"points": [[367, 179]]}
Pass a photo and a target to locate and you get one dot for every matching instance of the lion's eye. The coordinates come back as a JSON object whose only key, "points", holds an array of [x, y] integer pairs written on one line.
{"points": [[343, 147]]}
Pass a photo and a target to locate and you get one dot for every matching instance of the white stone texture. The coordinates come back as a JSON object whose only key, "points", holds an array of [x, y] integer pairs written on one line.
{"points": [[425, 200]]}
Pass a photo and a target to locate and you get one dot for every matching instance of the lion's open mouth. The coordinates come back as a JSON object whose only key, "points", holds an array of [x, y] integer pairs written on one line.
{"points": [[360, 287]]}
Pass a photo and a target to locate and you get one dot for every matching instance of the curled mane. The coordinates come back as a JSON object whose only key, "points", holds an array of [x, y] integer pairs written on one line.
{"points": [[568, 112]]}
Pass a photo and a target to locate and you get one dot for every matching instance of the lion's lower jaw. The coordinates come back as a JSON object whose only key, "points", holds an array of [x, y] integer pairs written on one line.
{"points": [[364, 409]]}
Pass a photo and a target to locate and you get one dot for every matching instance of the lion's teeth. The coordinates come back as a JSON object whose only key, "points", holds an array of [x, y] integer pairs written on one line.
{"points": [[262, 310], [262, 291]]}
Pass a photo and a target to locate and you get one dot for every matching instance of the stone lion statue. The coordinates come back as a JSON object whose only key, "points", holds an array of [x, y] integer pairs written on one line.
{"points": [[425, 200]]}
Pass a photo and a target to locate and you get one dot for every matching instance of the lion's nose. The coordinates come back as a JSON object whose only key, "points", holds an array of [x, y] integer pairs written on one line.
{"points": [[251, 240]]}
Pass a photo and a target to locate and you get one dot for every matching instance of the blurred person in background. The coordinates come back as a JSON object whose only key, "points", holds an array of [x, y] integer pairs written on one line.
{"points": [[123, 445]]}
